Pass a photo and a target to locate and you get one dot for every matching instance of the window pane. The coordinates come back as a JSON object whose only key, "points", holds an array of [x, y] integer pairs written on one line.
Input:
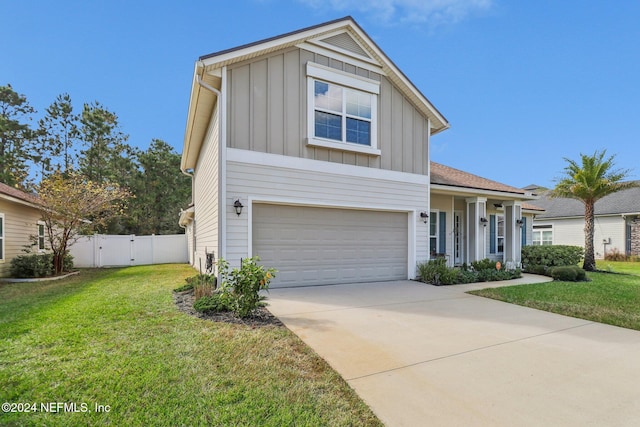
{"points": [[547, 237], [328, 97], [537, 235], [359, 104], [433, 245], [328, 126], [358, 131]]}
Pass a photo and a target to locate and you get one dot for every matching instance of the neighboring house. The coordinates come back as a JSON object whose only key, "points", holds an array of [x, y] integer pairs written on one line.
{"points": [[19, 225], [311, 150], [616, 227]]}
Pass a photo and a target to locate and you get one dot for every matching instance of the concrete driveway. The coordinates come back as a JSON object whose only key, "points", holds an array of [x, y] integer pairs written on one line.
{"points": [[424, 355]]}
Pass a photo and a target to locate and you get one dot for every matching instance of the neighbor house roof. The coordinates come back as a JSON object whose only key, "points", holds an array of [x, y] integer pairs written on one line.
{"points": [[208, 71], [10, 193], [626, 202], [446, 176]]}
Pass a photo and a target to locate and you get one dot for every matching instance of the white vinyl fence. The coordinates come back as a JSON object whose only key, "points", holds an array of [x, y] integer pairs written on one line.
{"points": [[102, 250]]}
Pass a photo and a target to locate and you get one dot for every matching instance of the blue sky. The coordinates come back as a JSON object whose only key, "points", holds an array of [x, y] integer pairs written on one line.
{"points": [[523, 83]]}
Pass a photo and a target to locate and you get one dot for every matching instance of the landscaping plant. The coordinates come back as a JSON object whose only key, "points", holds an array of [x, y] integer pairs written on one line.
{"points": [[239, 289], [436, 272]]}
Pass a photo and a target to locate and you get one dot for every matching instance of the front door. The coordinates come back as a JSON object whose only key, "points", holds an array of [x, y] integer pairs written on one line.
{"points": [[458, 238]]}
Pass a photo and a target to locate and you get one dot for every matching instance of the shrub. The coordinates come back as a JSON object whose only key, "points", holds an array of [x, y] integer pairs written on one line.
{"points": [[214, 303], [615, 255], [568, 273], [36, 265], [551, 255], [537, 269], [431, 271], [241, 286], [436, 272], [485, 264], [202, 285]]}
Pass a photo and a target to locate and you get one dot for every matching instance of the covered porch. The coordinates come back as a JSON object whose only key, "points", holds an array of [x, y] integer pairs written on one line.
{"points": [[472, 218]]}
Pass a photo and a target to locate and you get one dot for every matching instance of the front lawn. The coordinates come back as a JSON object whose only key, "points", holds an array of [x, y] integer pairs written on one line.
{"points": [[607, 298], [628, 267], [115, 338]]}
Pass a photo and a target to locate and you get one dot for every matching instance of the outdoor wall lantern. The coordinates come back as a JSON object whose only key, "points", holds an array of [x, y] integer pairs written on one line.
{"points": [[237, 205], [520, 222], [484, 221], [424, 216]]}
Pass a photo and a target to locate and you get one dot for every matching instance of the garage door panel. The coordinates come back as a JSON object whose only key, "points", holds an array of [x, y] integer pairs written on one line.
{"points": [[316, 246]]}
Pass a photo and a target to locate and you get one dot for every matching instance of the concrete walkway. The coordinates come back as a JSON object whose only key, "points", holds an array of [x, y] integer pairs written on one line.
{"points": [[425, 355]]}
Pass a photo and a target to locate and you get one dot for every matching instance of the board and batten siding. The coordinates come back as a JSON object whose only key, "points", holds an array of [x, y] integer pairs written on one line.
{"points": [[267, 106], [262, 183], [206, 229], [20, 222]]}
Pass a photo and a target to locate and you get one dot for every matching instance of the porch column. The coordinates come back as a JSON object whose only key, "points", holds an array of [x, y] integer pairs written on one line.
{"points": [[476, 228], [512, 233]]}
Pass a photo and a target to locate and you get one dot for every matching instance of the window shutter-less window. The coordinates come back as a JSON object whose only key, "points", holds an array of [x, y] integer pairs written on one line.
{"points": [[442, 223], [492, 234]]}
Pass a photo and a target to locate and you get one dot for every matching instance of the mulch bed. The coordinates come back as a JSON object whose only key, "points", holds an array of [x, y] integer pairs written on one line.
{"points": [[261, 317]]}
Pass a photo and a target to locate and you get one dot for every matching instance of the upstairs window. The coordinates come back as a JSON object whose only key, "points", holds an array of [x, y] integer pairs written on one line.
{"points": [[342, 110], [342, 114]]}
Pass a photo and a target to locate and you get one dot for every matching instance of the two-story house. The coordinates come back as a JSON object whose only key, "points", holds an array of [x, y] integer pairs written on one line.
{"points": [[311, 150]]}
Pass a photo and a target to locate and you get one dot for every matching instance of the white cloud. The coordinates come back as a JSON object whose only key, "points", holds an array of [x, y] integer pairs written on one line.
{"points": [[432, 12]]}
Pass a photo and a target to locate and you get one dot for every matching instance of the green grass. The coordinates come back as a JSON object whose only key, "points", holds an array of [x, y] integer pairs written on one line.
{"points": [[628, 267], [115, 337], [608, 298]]}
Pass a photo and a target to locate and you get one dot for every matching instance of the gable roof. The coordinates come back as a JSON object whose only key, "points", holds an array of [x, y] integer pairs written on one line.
{"points": [[446, 176], [343, 37], [626, 202], [13, 194]]}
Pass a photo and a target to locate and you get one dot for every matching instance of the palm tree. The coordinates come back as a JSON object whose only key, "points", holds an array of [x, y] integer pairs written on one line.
{"points": [[589, 182]]}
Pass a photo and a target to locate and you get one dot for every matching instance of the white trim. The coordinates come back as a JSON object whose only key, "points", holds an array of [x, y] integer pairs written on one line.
{"points": [[412, 215], [345, 56], [343, 146], [222, 158], [448, 189], [437, 235], [349, 81], [343, 78], [297, 163]]}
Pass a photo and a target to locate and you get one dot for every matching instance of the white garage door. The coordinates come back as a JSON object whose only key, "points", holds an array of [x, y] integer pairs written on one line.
{"points": [[321, 246]]}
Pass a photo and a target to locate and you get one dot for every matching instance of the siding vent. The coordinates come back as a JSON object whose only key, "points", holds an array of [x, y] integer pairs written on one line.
{"points": [[344, 41]]}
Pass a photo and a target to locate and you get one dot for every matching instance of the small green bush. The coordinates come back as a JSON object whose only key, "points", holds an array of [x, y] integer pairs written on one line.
{"points": [[537, 269], [551, 255], [183, 288], [241, 286], [213, 303], [485, 264], [432, 270], [568, 273], [36, 265]]}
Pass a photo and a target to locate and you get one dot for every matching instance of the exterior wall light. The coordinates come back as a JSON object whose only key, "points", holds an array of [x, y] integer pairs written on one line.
{"points": [[484, 221], [237, 205], [424, 216], [520, 222]]}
